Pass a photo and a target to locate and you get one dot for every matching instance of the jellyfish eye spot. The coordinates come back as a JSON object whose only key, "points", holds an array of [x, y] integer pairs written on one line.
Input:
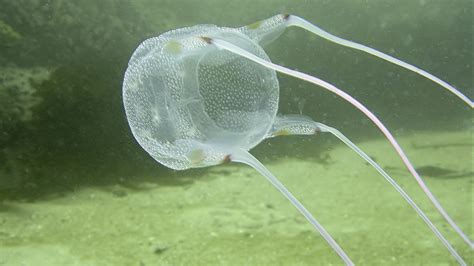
{"points": [[283, 132], [255, 25], [173, 47], [196, 156]]}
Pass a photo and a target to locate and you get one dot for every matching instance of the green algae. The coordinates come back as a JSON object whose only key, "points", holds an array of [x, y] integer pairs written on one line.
{"points": [[8, 35]]}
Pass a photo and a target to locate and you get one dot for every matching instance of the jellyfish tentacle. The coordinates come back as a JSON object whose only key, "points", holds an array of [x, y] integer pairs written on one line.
{"points": [[302, 125], [267, 30], [323, 128], [292, 125], [293, 20], [243, 156], [316, 81]]}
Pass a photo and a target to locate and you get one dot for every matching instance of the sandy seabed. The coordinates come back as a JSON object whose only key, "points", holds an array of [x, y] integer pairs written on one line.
{"points": [[230, 215]]}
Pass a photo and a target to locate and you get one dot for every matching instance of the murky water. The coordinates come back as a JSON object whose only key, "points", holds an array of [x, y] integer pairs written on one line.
{"points": [[76, 189]]}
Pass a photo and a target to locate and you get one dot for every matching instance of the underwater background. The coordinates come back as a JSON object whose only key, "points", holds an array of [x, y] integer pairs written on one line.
{"points": [[76, 188]]}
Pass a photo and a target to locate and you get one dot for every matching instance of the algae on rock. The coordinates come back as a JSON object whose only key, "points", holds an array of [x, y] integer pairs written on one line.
{"points": [[71, 116]]}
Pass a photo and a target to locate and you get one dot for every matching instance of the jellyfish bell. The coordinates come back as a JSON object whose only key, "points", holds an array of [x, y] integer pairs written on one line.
{"points": [[182, 95], [206, 95]]}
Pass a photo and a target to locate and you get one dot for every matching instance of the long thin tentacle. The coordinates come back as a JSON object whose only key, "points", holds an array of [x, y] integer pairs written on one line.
{"points": [[340, 136], [243, 156], [239, 51], [293, 20]]}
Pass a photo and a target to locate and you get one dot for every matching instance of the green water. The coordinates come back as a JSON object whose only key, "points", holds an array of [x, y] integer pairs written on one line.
{"points": [[76, 189]]}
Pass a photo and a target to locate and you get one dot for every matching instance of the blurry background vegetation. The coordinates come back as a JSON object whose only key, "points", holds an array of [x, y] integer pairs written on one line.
{"points": [[62, 64]]}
